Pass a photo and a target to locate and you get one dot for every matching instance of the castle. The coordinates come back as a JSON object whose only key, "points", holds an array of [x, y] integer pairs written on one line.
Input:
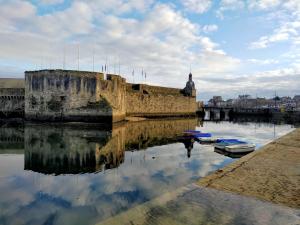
{"points": [[67, 95]]}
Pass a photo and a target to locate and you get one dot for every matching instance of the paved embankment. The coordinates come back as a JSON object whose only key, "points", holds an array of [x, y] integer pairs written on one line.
{"points": [[261, 188], [272, 173]]}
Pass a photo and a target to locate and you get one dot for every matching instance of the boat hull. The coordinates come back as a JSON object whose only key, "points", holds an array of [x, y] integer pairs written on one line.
{"points": [[240, 148]]}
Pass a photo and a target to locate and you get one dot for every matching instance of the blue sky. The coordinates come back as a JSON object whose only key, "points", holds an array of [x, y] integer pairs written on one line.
{"points": [[233, 46]]}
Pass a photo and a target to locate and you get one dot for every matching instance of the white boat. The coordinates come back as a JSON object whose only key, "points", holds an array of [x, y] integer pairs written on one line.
{"points": [[240, 148]]}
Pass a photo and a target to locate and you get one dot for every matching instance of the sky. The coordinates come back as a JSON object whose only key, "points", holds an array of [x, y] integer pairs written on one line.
{"points": [[231, 47]]}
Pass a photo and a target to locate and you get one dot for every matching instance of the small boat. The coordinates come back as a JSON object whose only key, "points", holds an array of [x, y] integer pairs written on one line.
{"points": [[222, 143], [207, 140], [202, 135], [240, 148]]}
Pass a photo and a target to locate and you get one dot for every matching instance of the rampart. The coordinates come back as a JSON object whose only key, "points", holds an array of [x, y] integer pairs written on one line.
{"points": [[55, 95], [66, 95], [153, 101], [11, 102]]}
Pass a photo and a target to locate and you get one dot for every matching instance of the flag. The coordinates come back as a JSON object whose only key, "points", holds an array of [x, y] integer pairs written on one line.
{"points": [[105, 68]]}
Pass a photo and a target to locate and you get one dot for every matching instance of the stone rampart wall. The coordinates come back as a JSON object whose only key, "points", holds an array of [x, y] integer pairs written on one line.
{"points": [[152, 101], [74, 96], [65, 95], [11, 102]]}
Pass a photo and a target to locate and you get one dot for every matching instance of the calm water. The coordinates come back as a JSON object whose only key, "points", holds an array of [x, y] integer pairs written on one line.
{"points": [[77, 174]]}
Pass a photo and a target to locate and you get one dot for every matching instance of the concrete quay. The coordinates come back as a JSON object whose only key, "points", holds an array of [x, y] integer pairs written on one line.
{"points": [[260, 188]]}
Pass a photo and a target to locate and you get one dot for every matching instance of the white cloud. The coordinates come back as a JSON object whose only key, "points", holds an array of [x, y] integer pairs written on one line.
{"points": [[263, 62], [285, 80], [226, 5], [287, 28], [263, 4], [197, 6], [51, 2], [265, 41], [210, 28], [163, 41]]}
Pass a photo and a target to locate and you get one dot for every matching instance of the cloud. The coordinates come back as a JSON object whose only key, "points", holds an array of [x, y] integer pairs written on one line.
{"points": [[164, 50], [263, 4], [285, 80], [288, 27], [51, 2], [197, 6], [210, 28], [263, 62], [229, 5]]}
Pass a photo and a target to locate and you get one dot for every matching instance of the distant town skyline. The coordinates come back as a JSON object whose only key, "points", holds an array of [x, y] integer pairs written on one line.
{"points": [[232, 47]]}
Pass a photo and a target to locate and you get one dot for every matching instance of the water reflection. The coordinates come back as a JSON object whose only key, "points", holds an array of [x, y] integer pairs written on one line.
{"points": [[102, 172], [72, 150]]}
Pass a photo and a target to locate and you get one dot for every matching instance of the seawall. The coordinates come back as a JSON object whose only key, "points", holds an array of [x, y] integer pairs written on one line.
{"points": [[60, 95], [12, 102], [152, 101], [67, 95]]}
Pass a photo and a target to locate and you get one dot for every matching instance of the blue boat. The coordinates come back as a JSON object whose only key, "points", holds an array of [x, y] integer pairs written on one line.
{"points": [[235, 141], [201, 135]]}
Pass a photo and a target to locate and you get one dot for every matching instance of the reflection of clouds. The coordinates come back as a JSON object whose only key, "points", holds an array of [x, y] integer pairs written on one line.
{"points": [[5, 165], [257, 133], [141, 177]]}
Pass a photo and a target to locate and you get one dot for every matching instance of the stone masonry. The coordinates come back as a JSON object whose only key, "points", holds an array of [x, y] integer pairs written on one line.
{"points": [[66, 95]]}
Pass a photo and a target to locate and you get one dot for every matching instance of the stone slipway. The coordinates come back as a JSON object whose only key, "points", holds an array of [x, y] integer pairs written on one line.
{"points": [[260, 188]]}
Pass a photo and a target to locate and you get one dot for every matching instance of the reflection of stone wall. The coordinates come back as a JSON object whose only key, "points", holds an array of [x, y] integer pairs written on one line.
{"points": [[61, 150], [11, 140], [143, 134], [152, 101], [111, 155]]}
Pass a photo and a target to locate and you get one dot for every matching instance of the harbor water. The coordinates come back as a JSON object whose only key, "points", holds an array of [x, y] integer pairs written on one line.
{"points": [[85, 174]]}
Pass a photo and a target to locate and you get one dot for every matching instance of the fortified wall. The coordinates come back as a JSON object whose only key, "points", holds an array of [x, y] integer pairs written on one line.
{"points": [[74, 96], [12, 102], [66, 95], [153, 101]]}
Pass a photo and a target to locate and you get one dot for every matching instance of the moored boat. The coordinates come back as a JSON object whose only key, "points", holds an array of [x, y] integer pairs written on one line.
{"points": [[240, 148], [223, 143], [207, 140]]}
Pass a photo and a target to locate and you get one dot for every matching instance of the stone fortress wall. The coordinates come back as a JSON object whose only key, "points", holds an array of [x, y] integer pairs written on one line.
{"points": [[66, 95], [152, 101], [74, 96], [11, 97]]}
